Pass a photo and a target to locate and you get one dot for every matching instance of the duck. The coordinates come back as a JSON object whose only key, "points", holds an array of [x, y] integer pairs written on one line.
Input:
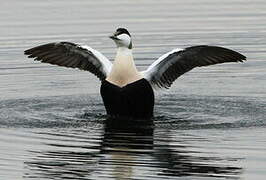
{"points": [[125, 91]]}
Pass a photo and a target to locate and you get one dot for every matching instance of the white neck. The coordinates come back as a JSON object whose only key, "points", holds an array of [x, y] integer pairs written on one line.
{"points": [[124, 51], [124, 70]]}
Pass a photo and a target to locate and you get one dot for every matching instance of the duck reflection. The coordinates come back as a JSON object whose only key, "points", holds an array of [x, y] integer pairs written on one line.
{"points": [[124, 142], [124, 149], [127, 135]]}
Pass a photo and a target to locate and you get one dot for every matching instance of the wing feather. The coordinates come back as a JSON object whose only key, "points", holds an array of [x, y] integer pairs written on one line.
{"points": [[69, 54], [164, 71]]}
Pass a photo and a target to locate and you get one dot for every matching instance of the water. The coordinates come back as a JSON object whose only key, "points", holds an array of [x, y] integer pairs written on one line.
{"points": [[209, 125]]}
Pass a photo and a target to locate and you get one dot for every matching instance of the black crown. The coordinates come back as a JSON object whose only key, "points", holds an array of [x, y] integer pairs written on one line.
{"points": [[122, 31]]}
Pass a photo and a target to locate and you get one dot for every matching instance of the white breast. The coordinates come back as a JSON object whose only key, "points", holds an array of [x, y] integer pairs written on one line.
{"points": [[124, 70]]}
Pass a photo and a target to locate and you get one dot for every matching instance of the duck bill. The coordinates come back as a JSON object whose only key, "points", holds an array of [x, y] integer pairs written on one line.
{"points": [[113, 37]]}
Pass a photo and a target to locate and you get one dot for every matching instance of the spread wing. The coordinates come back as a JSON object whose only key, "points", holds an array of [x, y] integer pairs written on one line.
{"points": [[164, 71], [72, 55]]}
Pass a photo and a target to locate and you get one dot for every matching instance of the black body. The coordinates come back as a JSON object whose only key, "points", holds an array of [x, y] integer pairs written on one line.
{"points": [[135, 100]]}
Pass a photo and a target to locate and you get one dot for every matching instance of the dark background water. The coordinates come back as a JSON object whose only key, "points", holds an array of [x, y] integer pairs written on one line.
{"points": [[209, 125]]}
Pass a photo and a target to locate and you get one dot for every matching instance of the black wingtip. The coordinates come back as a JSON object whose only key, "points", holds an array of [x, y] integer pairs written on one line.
{"points": [[242, 58], [27, 52], [44, 47], [30, 51]]}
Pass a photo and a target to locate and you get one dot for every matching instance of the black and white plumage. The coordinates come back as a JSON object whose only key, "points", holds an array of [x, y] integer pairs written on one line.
{"points": [[72, 55], [164, 71], [123, 86]]}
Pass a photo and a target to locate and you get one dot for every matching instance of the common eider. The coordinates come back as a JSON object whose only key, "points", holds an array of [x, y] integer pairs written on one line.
{"points": [[125, 91]]}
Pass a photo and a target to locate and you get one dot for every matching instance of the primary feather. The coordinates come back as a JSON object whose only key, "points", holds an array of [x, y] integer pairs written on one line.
{"points": [[72, 55], [164, 71]]}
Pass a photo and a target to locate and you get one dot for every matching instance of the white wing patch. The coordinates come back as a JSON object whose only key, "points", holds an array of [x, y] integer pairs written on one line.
{"points": [[152, 68], [107, 65]]}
